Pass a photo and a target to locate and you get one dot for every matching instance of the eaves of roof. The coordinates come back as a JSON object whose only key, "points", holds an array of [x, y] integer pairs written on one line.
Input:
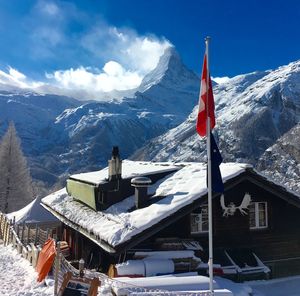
{"points": [[249, 175]]}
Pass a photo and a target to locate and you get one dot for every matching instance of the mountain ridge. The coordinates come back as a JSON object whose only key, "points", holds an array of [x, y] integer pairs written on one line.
{"points": [[253, 111], [62, 136], [79, 136]]}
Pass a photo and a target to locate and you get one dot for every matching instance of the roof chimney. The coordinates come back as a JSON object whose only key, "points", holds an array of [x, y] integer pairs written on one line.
{"points": [[115, 165], [141, 195]]}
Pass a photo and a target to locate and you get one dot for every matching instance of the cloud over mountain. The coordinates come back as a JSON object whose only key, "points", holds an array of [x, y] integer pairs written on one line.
{"points": [[97, 59]]}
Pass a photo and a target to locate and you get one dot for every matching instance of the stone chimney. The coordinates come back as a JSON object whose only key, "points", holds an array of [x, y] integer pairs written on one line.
{"points": [[141, 191], [115, 165]]}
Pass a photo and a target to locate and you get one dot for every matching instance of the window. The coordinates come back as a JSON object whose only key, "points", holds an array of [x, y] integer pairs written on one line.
{"points": [[199, 221], [258, 215]]}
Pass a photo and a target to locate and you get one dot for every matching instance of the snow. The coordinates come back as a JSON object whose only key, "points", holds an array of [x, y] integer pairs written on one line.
{"points": [[17, 276], [131, 267], [247, 93], [32, 213], [189, 283], [130, 169], [147, 267], [158, 266], [118, 226], [238, 289], [289, 286], [18, 215], [170, 283]]}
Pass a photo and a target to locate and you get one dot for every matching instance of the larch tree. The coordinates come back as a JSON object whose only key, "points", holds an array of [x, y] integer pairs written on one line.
{"points": [[15, 180]]}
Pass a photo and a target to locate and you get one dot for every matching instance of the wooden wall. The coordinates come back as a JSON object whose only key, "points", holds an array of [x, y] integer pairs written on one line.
{"points": [[278, 245], [281, 240]]}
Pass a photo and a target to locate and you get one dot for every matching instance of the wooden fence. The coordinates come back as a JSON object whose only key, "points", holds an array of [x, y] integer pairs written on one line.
{"points": [[28, 240]]}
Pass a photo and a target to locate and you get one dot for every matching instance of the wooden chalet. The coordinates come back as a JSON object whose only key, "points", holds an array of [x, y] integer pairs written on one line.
{"points": [[132, 206]]}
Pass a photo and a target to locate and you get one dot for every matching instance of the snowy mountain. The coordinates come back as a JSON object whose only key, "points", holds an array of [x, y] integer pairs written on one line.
{"points": [[253, 111], [282, 160], [62, 136], [95, 127], [34, 115]]}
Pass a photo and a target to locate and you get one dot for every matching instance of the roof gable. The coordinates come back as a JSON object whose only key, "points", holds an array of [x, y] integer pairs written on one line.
{"points": [[267, 184]]}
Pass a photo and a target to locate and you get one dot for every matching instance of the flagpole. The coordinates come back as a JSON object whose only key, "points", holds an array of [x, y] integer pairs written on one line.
{"points": [[209, 181]]}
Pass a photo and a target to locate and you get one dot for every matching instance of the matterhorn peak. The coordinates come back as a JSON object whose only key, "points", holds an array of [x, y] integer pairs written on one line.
{"points": [[169, 71], [169, 58]]}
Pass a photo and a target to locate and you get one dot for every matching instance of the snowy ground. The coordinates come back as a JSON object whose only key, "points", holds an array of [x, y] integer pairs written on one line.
{"points": [[278, 287], [18, 278]]}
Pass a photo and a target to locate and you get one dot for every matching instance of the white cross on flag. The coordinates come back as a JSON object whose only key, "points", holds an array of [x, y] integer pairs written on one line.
{"points": [[206, 102]]}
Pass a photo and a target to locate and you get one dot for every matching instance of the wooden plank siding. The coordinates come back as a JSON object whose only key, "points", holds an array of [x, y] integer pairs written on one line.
{"points": [[279, 242], [281, 239]]}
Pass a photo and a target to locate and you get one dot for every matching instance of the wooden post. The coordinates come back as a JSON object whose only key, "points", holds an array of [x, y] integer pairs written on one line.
{"points": [[2, 227], [28, 234], [5, 231], [81, 267], [47, 235], [76, 251], [23, 230], [36, 234], [13, 226], [14, 239], [57, 268], [58, 236], [10, 234], [1, 230]]}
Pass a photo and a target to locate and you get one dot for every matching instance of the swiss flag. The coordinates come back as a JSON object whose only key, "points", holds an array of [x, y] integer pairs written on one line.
{"points": [[206, 102]]}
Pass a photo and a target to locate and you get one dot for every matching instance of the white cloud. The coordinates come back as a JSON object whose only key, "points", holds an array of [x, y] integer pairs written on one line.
{"points": [[220, 80], [100, 58], [49, 8], [134, 56], [112, 77], [144, 53], [124, 45], [15, 74], [140, 54], [46, 10], [130, 57], [14, 78]]}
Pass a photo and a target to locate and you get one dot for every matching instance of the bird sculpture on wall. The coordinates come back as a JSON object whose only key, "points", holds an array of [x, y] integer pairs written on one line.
{"points": [[231, 208]]}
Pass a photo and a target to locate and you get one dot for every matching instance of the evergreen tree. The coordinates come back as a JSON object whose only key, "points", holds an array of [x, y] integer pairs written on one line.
{"points": [[15, 180]]}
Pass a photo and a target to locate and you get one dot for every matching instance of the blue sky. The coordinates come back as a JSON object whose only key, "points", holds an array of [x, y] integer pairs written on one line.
{"points": [[75, 44]]}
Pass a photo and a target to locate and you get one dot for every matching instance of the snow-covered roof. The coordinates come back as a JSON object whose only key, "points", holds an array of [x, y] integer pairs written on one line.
{"points": [[130, 169], [33, 213], [118, 224]]}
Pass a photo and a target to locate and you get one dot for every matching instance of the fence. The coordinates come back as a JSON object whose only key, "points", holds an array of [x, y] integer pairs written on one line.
{"points": [[28, 239]]}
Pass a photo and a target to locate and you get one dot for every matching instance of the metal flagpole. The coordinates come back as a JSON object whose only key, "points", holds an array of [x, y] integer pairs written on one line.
{"points": [[209, 183]]}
